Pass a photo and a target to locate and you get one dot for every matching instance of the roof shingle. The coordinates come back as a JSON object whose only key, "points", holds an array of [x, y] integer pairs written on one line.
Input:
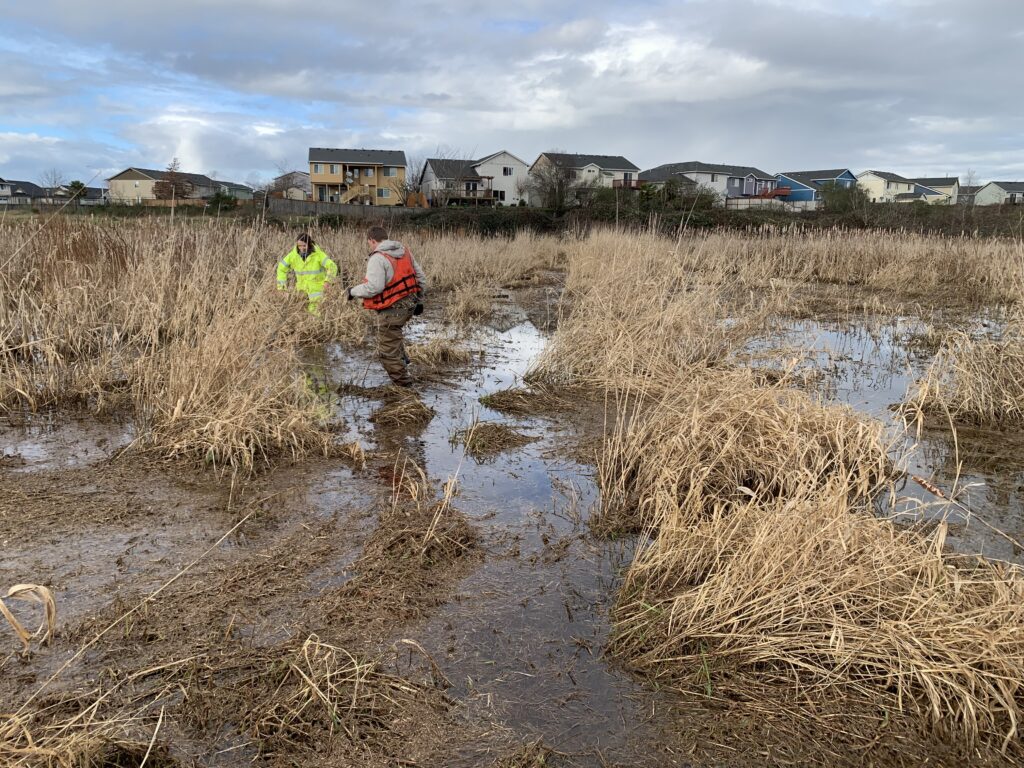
{"points": [[605, 162], [667, 171], [357, 156]]}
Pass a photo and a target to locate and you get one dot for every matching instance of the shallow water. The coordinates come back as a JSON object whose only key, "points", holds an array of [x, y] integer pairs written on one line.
{"points": [[870, 365]]}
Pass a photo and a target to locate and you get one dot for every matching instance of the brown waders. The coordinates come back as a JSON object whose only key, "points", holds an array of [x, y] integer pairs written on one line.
{"points": [[390, 344]]}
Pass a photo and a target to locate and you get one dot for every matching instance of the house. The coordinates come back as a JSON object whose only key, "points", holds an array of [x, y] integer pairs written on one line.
{"points": [[294, 185], [87, 195], [966, 194], [726, 181], [498, 179], [1000, 193], [941, 189], [134, 185], [365, 176], [591, 170], [885, 187], [806, 186], [235, 190], [20, 192]]}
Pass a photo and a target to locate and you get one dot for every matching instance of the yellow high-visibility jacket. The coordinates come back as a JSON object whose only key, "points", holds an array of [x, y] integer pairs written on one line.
{"points": [[310, 273]]}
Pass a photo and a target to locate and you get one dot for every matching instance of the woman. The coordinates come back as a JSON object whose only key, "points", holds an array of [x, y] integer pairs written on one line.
{"points": [[312, 267]]}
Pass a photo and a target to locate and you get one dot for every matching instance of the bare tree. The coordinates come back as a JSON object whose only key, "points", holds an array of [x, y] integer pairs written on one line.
{"points": [[53, 180], [556, 186], [407, 187], [971, 180]]}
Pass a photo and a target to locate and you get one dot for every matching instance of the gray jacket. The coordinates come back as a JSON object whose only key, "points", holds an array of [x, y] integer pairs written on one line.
{"points": [[379, 271]]}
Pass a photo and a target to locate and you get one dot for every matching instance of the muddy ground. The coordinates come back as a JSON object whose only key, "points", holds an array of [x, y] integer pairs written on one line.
{"points": [[473, 597]]}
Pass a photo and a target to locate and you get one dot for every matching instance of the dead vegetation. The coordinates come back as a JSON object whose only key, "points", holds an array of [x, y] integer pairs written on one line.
{"points": [[406, 411], [484, 439], [976, 381], [40, 595], [437, 353]]}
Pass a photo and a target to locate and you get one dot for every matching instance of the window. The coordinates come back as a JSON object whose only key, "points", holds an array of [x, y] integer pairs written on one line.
{"points": [[136, 184], [333, 169], [627, 177], [500, 194], [507, 171], [714, 177], [390, 171], [318, 168], [368, 173], [384, 193], [321, 193]]}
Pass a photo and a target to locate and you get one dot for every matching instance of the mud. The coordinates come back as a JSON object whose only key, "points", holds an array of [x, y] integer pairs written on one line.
{"points": [[485, 563]]}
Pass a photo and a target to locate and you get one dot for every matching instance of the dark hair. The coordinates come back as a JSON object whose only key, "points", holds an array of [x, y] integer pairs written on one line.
{"points": [[305, 238], [377, 233]]}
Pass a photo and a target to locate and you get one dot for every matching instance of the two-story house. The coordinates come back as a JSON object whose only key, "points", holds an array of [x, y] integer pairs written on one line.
{"points": [[591, 170], [806, 186], [943, 189], [498, 179], [886, 187], [294, 185], [20, 192], [361, 176], [726, 181], [1000, 193], [133, 186]]}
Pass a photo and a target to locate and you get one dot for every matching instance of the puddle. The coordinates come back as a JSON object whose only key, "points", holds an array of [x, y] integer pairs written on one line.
{"points": [[870, 365], [44, 443]]}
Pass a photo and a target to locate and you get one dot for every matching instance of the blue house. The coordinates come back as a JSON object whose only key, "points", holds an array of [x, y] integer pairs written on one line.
{"points": [[806, 185]]}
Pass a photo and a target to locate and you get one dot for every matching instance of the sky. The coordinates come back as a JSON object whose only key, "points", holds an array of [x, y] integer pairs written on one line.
{"points": [[241, 89]]}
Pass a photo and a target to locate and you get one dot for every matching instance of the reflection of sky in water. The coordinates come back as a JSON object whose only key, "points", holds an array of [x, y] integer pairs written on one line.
{"points": [[46, 443], [871, 366]]}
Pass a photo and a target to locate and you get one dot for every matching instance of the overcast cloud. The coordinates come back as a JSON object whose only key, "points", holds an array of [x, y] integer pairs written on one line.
{"points": [[237, 88]]}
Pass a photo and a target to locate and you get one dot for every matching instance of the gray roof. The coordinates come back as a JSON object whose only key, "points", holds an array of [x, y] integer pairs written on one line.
{"points": [[453, 169], [234, 185], [605, 162], [1009, 186], [937, 181], [197, 179], [890, 176], [357, 156], [26, 188], [812, 178], [970, 189], [667, 171], [910, 196]]}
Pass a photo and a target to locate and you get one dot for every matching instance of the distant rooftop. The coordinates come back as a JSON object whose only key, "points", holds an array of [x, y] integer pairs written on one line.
{"points": [[394, 157]]}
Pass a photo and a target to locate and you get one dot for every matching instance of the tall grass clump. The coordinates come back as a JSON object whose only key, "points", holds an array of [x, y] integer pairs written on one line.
{"points": [[977, 381], [636, 311], [764, 571], [719, 439]]}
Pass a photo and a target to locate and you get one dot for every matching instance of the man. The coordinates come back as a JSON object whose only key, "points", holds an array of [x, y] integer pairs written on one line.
{"points": [[393, 289], [313, 270]]}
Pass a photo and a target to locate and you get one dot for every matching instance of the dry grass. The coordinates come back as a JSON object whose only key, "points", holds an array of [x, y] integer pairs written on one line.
{"points": [[484, 439], [633, 313], [406, 411], [818, 599], [721, 439], [538, 398], [438, 352], [40, 595], [976, 381], [326, 694], [468, 304]]}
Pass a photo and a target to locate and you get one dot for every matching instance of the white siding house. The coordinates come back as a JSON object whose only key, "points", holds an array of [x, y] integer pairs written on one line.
{"points": [[1000, 193], [498, 179], [728, 181], [885, 187], [508, 176]]}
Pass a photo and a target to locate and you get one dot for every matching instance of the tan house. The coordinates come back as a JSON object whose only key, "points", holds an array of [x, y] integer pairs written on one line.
{"points": [[359, 176], [885, 187], [133, 186], [294, 185], [941, 189]]}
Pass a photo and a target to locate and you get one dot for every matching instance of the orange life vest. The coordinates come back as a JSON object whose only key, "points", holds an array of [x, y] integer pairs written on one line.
{"points": [[403, 283]]}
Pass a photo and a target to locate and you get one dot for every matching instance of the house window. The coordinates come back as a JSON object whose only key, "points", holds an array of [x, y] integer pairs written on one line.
{"points": [[390, 170], [627, 176], [333, 169], [136, 184], [507, 171], [318, 168], [368, 173], [714, 177], [384, 193], [321, 193], [500, 194]]}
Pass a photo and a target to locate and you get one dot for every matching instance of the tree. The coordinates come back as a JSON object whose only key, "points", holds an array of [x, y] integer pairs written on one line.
{"points": [[53, 180], [174, 185], [556, 186], [840, 198]]}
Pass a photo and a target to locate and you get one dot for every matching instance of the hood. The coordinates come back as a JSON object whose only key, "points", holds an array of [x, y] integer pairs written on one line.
{"points": [[392, 248]]}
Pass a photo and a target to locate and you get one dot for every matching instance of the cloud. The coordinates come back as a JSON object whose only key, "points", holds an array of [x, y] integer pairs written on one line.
{"points": [[918, 86]]}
